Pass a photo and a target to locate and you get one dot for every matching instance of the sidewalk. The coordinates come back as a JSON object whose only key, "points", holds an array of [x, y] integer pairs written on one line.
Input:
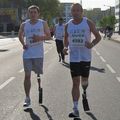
{"points": [[2, 37], [115, 37], [7, 36]]}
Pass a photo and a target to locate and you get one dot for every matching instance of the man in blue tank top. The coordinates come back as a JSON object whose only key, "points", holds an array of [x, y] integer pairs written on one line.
{"points": [[78, 38], [59, 35], [32, 34]]}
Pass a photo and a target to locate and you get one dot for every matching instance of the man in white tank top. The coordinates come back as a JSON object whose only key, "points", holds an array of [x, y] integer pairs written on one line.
{"points": [[32, 34], [59, 35], [78, 38]]}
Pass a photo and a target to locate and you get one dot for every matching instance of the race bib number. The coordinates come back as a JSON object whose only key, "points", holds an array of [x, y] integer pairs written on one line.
{"points": [[78, 38], [78, 42]]}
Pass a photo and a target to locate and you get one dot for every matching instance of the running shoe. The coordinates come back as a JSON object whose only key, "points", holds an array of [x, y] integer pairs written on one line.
{"points": [[27, 102], [74, 114]]}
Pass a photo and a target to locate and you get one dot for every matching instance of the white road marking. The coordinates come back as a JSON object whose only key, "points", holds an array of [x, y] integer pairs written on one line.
{"points": [[6, 82], [102, 59], [110, 68], [118, 78], [94, 49], [20, 71], [97, 53], [46, 52]]}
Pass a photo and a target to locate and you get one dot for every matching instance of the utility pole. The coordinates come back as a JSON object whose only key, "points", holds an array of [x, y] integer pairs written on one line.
{"points": [[119, 18], [81, 2]]}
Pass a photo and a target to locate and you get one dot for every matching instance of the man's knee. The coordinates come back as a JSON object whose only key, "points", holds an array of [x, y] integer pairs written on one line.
{"points": [[84, 83], [84, 79]]}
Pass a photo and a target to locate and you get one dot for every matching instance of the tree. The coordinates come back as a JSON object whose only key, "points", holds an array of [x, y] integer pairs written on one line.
{"points": [[103, 22], [3, 1], [107, 21], [10, 1], [93, 14], [48, 8], [111, 21]]}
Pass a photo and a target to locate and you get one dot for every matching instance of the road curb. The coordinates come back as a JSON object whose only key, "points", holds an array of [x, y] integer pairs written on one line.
{"points": [[114, 39], [118, 41]]}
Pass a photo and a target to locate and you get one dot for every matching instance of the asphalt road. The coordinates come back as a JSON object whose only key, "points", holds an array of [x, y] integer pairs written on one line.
{"points": [[103, 91]]}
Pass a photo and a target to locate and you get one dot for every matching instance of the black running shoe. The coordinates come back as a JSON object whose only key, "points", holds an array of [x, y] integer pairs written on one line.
{"points": [[27, 102], [74, 114]]}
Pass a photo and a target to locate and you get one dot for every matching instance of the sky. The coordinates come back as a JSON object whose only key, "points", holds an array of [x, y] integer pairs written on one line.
{"points": [[88, 4]]}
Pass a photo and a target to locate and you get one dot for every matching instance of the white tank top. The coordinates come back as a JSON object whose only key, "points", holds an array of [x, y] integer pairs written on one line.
{"points": [[59, 31], [77, 35], [35, 50]]}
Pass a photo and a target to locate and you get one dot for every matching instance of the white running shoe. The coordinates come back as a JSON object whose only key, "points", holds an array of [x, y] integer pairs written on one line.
{"points": [[27, 102], [74, 114]]}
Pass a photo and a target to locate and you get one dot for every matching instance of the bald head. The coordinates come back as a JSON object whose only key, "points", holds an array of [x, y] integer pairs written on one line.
{"points": [[76, 11]]}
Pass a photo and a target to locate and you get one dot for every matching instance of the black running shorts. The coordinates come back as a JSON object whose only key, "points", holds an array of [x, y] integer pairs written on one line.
{"points": [[80, 69]]}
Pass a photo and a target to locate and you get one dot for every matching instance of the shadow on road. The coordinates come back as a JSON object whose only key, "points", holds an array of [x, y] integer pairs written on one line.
{"points": [[91, 115], [102, 70], [47, 112], [77, 119], [65, 64], [32, 114], [3, 50]]}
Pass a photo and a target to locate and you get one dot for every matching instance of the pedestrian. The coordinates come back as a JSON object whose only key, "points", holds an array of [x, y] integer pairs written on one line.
{"points": [[32, 34], [59, 35], [78, 38], [52, 31]]}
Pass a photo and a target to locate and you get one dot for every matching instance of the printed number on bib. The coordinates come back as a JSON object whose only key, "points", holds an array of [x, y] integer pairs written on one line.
{"points": [[78, 42]]}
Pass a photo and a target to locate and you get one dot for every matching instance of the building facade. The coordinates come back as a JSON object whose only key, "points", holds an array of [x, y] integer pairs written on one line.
{"points": [[66, 11], [10, 16], [94, 14], [117, 15]]}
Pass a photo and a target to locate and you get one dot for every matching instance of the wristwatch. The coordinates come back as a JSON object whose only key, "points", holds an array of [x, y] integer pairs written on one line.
{"points": [[65, 47]]}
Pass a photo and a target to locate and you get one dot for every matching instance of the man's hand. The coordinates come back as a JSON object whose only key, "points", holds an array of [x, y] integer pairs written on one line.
{"points": [[65, 51], [89, 45], [37, 38], [25, 47]]}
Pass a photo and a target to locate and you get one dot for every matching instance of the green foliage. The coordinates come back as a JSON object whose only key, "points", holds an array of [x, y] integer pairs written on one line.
{"points": [[107, 21], [48, 8]]}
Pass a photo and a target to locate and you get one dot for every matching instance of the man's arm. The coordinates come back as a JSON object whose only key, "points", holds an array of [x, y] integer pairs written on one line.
{"points": [[21, 35], [47, 32], [65, 42], [96, 34]]}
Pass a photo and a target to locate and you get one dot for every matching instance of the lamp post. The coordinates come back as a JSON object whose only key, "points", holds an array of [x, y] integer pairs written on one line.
{"points": [[110, 13], [81, 2]]}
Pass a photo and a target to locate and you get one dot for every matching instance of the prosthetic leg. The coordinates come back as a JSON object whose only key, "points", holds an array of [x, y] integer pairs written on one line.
{"points": [[40, 90], [85, 102]]}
